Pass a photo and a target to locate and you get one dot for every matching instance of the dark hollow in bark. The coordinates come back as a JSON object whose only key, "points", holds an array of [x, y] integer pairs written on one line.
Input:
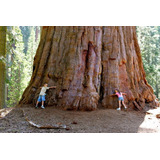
{"points": [[87, 64]]}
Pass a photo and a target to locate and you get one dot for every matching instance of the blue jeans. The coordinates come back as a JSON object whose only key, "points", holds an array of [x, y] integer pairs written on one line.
{"points": [[120, 98], [41, 98]]}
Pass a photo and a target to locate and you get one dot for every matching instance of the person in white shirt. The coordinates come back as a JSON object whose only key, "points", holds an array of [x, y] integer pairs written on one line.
{"points": [[42, 94]]}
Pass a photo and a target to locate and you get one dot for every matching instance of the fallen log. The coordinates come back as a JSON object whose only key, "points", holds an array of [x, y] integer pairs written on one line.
{"points": [[158, 116], [54, 126]]}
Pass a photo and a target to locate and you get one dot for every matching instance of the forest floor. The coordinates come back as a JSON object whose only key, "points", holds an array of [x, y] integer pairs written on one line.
{"points": [[13, 120]]}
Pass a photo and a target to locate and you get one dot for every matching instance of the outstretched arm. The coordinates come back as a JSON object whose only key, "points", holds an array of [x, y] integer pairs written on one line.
{"points": [[123, 93], [113, 95], [52, 87]]}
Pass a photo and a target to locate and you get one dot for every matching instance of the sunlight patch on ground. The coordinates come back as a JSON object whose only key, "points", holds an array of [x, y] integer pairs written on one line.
{"points": [[151, 123], [4, 112]]}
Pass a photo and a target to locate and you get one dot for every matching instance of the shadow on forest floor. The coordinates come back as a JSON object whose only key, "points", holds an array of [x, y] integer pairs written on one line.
{"points": [[99, 121]]}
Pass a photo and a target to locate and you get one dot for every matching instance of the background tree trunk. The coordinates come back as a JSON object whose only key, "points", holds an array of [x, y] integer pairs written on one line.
{"points": [[87, 64], [2, 65]]}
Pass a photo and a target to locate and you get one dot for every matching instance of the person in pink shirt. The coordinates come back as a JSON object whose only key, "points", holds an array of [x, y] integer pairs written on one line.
{"points": [[120, 98]]}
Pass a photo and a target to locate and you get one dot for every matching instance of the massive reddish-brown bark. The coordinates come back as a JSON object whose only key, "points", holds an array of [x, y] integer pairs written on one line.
{"points": [[86, 64]]}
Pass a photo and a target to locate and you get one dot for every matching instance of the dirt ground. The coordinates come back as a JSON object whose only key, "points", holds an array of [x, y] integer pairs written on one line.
{"points": [[12, 120]]}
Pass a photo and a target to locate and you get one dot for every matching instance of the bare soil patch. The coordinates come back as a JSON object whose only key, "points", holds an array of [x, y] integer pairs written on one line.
{"points": [[13, 120]]}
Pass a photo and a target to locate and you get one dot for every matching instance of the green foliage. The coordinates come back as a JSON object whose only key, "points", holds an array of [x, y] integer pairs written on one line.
{"points": [[19, 62], [149, 41], [16, 59], [26, 31], [32, 46]]}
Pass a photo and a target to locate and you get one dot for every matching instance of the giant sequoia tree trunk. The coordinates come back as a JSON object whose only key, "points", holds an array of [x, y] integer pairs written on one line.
{"points": [[2, 65], [87, 64]]}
